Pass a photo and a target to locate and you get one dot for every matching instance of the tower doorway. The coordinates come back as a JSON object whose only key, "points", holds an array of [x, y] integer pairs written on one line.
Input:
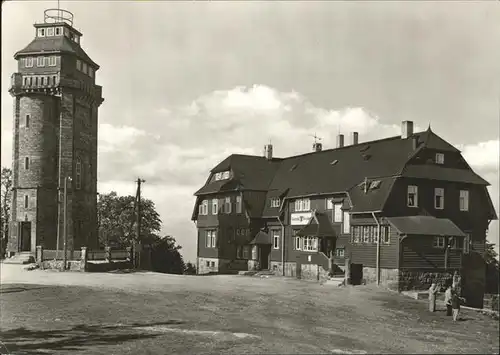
{"points": [[25, 234]]}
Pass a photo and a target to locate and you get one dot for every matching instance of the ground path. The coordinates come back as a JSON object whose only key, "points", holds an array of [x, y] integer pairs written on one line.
{"points": [[47, 312]]}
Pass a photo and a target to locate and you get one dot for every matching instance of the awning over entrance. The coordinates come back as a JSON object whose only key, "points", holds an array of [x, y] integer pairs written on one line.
{"points": [[318, 226], [425, 225], [261, 238]]}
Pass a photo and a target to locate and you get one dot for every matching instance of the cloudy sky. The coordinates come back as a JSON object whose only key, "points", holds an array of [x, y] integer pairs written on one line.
{"points": [[188, 83]]}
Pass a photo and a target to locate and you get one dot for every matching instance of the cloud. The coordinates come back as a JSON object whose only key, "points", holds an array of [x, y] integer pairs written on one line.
{"points": [[113, 138], [484, 155]]}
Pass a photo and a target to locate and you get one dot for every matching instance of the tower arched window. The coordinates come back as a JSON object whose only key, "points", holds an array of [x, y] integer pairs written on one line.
{"points": [[26, 163], [42, 81], [27, 121], [26, 201], [36, 80], [78, 179]]}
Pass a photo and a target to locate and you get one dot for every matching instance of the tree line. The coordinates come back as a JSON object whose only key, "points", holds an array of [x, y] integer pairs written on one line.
{"points": [[116, 217]]}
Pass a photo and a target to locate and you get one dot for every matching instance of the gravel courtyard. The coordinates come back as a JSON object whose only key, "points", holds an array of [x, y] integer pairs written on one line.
{"points": [[47, 312]]}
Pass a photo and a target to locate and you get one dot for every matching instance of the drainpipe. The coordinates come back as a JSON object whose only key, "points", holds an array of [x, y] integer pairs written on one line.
{"points": [[282, 245], [378, 248]]}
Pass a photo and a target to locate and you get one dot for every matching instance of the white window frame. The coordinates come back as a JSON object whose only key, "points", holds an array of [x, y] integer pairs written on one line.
{"points": [[375, 234], [329, 203], [337, 212], [238, 204], [298, 243], [357, 232], [52, 61], [26, 201], [225, 174], [439, 192], [50, 32], [439, 158], [310, 244], [215, 206], [337, 252], [58, 31], [276, 239], [302, 205], [438, 242], [211, 238], [365, 234], [40, 61], [227, 205], [275, 202], [84, 68], [204, 208], [28, 62], [346, 224], [245, 252], [385, 235], [41, 32], [412, 190], [464, 200], [78, 65]]}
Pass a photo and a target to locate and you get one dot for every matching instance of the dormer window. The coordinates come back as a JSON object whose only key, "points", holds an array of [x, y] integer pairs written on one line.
{"points": [[84, 68], [439, 158], [224, 175], [50, 32], [302, 205], [41, 32], [215, 206], [66, 32], [275, 202]]}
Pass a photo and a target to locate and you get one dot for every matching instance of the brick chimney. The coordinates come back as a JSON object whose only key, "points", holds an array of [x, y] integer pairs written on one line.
{"points": [[340, 141], [406, 129], [354, 138], [268, 151], [317, 147]]}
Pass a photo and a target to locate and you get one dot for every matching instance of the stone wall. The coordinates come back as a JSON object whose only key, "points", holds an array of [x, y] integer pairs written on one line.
{"points": [[208, 265], [252, 265], [421, 280], [388, 277], [313, 272], [290, 268]]}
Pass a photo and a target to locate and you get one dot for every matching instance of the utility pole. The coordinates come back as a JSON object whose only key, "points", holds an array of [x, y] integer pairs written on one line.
{"points": [[65, 220], [138, 216]]}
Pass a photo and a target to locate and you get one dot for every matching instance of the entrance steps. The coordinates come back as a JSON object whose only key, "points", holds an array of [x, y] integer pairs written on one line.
{"points": [[335, 281], [20, 258]]}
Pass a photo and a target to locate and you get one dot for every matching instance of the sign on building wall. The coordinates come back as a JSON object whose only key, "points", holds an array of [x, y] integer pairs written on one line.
{"points": [[300, 219]]}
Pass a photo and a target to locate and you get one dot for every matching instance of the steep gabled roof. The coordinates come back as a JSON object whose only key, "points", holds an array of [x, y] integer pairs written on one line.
{"points": [[373, 200], [250, 173], [340, 171], [56, 44]]}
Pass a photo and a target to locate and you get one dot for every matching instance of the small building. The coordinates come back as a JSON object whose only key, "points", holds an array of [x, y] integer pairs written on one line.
{"points": [[403, 211]]}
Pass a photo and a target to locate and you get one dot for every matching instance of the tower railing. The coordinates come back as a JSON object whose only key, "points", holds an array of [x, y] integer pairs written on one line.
{"points": [[57, 16]]}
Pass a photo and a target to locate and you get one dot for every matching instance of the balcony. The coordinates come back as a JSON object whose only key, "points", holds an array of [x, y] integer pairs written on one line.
{"points": [[33, 83]]}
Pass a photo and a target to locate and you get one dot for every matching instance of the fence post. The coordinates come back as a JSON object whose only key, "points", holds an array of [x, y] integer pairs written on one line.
{"points": [[83, 259], [107, 251], [347, 271], [39, 255]]}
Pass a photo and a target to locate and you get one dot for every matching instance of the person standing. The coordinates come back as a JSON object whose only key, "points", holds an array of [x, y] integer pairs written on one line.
{"points": [[432, 297], [447, 300], [455, 305]]}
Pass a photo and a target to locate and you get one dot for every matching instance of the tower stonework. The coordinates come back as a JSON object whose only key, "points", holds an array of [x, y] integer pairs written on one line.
{"points": [[56, 105]]}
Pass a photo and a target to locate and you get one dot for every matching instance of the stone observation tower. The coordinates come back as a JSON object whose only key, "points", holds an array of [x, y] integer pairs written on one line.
{"points": [[54, 139]]}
